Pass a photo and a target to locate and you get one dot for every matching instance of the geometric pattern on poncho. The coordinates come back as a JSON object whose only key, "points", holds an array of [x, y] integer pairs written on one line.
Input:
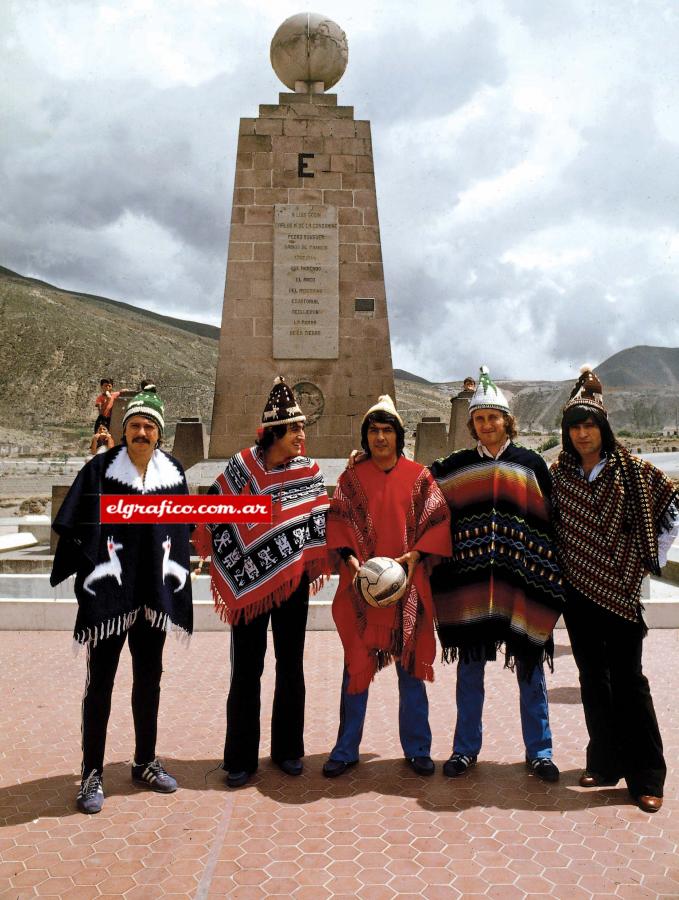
{"points": [[249, 562], [502, 585], [599, 533]]}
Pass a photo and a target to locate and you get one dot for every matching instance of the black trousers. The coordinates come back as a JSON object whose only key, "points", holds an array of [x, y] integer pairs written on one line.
{"points": [[248, 649], [624, 738], [146, 646]]}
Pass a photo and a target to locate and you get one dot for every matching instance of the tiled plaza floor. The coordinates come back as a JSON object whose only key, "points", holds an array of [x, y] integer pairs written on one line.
{"points": [[377, 832]]}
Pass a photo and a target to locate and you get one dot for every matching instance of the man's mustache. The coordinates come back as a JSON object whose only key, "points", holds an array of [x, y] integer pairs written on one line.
{"points": [[140, 440]]}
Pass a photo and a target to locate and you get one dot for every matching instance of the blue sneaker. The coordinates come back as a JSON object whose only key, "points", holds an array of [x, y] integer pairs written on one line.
{"points": [[153, 775], [90, 798]]}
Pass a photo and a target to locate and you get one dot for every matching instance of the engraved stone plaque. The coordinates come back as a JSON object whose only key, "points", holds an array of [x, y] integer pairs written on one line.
{"points": [[305, 282]]}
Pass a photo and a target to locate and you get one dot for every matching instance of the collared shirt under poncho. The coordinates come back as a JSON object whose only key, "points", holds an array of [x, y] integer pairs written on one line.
{"points": [[123, 571], [377, 513], [502, 586], [607, 529], [256, 567]]}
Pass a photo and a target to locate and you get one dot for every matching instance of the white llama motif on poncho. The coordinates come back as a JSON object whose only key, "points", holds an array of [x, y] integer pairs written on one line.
{"points": [[103, 570], [172, 568]]}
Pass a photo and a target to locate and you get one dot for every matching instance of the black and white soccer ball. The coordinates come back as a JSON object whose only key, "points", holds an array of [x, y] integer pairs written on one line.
{"points": [[381, 581]]}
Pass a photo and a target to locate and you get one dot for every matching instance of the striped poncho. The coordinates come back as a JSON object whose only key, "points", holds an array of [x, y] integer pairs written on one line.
{"points": [[256, 567], [502, 585]]}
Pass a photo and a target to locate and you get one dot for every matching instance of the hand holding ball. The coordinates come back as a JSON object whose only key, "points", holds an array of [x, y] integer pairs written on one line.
{"points": [[381, 581]]}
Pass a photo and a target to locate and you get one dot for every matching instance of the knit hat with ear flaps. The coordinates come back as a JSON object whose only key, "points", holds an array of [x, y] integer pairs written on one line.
{"points": [[146, 403], [487, 394], [587, 392], [281, 407], [384, 404]]}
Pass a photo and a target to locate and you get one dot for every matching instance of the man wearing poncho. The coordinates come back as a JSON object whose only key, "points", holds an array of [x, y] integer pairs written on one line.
{"points": [[615, 517], [264, 572], [502, 587], [131, 582], [386, 505]]}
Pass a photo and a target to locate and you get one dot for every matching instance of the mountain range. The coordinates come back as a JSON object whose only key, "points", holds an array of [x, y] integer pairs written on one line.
{"points": [[56, 344]]}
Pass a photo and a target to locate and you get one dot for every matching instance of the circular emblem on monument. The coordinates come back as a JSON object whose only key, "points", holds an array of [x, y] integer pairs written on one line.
{"points": [[309, 47], [311, 400]]}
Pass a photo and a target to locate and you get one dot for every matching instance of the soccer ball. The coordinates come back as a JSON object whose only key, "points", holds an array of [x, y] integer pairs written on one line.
{"points": [[381, 581]]}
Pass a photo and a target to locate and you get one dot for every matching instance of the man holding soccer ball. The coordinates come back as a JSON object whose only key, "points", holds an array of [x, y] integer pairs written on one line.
{"points": [[386, 506]]}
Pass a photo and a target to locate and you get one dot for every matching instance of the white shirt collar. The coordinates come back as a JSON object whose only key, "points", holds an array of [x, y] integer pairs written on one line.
{"points": [[596, 470], [483, 451]]}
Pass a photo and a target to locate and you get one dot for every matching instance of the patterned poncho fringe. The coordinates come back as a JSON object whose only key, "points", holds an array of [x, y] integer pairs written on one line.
{"points": [[607, 530], [502, 588], [401, 631], [257, 567]]}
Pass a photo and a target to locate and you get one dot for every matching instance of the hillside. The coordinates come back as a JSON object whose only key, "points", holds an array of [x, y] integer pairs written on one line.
{"points": [[55, 345]]}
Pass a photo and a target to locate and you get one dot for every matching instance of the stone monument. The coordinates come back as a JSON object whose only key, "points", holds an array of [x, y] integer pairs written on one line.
{"points": [[459, 437], [305, 294]]}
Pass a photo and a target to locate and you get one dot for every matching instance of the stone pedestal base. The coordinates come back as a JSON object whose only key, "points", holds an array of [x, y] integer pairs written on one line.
{"points": [[431, 442], [190, 442], [459, 437]]}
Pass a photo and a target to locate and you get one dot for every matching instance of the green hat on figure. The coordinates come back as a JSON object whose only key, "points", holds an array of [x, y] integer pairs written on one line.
{"points": [[146, 403]]}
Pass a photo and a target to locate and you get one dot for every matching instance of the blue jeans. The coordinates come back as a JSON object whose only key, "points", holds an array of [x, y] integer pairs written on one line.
{"points": [[413, 719], [469, 696]]}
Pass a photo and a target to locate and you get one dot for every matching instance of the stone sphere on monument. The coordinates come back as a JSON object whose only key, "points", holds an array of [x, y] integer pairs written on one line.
{"points": [[309, 48]]}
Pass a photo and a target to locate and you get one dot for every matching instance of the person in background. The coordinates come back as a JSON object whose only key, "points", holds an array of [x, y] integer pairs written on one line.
{"points": [[102, 441]]}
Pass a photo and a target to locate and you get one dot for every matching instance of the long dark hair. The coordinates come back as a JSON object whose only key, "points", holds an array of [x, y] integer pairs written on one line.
{"points": [[579, 413], [270, 435], [381, 417]]}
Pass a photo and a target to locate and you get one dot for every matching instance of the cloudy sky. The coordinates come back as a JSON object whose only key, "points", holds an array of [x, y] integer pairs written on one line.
{"points": [[527, 162]]}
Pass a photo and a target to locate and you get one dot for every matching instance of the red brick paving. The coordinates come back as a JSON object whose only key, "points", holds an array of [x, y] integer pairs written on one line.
{"points": [[377, 832]]}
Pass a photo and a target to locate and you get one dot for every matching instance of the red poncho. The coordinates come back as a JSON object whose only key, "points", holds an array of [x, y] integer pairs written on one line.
{"points": [[378, 513]]}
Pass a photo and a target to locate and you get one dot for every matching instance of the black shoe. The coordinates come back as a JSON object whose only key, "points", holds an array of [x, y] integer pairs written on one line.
{"points": [[237, 779], [153, 775], [90, 797], [422, 765], [334, 767], [292, 767], [544, 768], [458, 764]]}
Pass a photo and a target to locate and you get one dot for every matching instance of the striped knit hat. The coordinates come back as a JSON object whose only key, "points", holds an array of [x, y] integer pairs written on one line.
{"points": [[146, 403], [487, 394]]}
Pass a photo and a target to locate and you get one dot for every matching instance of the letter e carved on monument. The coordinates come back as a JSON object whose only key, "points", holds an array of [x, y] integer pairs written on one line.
{"points": [[302, 165]]}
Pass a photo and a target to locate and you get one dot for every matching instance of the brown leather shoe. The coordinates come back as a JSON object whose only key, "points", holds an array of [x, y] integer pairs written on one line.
{"points": [[593, 779], [648, 803]]}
